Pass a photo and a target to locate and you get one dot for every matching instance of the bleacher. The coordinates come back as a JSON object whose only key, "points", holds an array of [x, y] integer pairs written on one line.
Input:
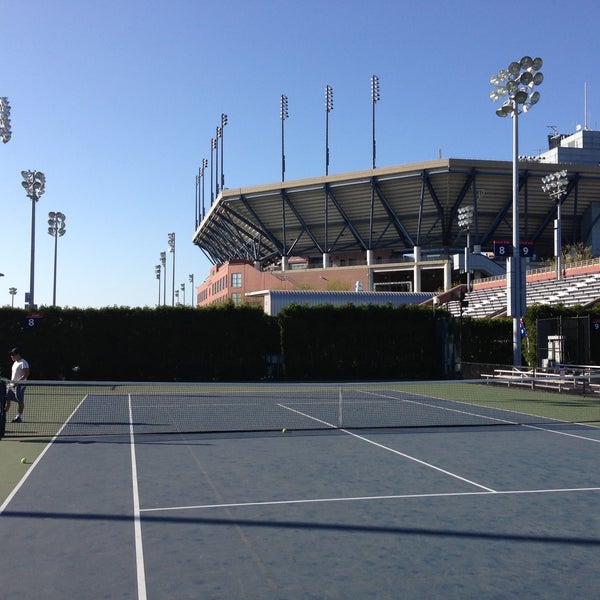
{"points": [[569, 291]]}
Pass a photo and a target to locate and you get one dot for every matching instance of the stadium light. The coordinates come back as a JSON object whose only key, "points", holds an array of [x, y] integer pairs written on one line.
{"points": [[465, 220], [34, 183], [57, 228], [283, 115], [223, 123], [197, 198], [218, 136], [182, 288], [5, 131], [516, 83], [13, 292], [191, 280], [555, 185], [328, 109], [172, 250], [213, 147], [202, 169], [375, 97], [157, 270], [163, 262]]}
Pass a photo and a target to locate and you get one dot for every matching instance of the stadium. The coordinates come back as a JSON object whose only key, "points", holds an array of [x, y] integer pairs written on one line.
{"points": [[397, 229]]}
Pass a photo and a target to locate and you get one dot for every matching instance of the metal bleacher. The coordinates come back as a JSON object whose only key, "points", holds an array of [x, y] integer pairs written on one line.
{"points": [[581, 290]]}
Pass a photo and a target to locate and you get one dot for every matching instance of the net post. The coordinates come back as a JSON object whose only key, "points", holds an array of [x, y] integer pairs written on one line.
{"points": [[340, 421]]}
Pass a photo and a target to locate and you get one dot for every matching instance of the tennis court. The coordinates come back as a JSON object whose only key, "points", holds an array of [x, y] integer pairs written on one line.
{"points": [[375, 491]]}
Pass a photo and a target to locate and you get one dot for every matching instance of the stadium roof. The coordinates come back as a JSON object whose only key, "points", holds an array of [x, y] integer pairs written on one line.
{"points": [[393, 209]]}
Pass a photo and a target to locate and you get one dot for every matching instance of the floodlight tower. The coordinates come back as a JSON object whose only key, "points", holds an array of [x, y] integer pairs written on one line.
{"points": [[35, 185], [328, 109], [517, 83], [555, 185], [218, 135], [157, 273], [202, 169], [57, 228], [213, 148], [283, 115], [465, 220], [5, 131], [374, 99], [172, 250], [191, 280], [163, 262], [223, 123]]}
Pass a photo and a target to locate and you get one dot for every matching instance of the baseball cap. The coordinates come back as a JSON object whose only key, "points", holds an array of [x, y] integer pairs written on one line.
{"points": [[15, 350]]}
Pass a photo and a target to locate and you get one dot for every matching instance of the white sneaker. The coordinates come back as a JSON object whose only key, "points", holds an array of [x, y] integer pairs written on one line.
{"points": [[17, 419]]}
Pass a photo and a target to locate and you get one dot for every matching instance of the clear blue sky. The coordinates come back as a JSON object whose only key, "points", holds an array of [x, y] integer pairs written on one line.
{"points": [[116, 102]]}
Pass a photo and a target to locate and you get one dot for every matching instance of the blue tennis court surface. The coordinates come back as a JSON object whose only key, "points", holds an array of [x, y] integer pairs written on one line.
{"points": [[458, 512]]}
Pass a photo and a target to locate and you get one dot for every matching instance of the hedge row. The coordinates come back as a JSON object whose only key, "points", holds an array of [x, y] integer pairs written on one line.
{"points": [[227, 343], [142, 344]]}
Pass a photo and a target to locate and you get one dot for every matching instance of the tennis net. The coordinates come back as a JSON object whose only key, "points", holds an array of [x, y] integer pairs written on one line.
{"points": [[116, 408]]}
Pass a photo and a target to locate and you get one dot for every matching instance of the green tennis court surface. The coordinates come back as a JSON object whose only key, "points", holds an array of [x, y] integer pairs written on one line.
{"points": [[375, 491]]}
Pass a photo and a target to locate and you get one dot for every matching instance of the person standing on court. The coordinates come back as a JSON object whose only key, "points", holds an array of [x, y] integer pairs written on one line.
{"points": [[14, 391]]}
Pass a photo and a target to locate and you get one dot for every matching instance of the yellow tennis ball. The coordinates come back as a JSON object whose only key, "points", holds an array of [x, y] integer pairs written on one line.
{"points": [[23, 460], [283, 430]]}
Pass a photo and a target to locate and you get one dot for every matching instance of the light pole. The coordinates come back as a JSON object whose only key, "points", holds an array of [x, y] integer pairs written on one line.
{"points": [[182, 288], [5, 131], [197, 199], [213, 148], [57, 228], [328, 109], [223, 123], [13, 292], [35, 185], [157, 273], [202, 169], [374, 99], [172, 249], [191, 279], [176, 296], [555, 185], [465, 220], [283, 115], [218, 135], [163, 262], [517, 83]]}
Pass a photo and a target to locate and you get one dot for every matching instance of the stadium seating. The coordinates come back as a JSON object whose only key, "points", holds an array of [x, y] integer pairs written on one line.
{"points": [[569, 291]]}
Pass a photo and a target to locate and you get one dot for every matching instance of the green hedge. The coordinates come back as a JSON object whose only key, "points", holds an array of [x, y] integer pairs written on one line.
{"points": [[142, 344], [487, 341], [227, 343], [358, 342]]}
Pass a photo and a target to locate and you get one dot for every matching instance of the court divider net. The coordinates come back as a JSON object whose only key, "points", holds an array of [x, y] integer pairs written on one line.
{"points": [[116, 408]]}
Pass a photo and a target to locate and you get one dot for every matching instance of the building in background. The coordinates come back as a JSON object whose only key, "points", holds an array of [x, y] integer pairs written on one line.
{"points": [[394, 229]]}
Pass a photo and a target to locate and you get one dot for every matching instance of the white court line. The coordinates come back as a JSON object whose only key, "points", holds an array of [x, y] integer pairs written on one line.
{"points": [[137, 525], [474, 414], [579, 437], [37, 460], [446, 408], [387, 448], [363, 498]]}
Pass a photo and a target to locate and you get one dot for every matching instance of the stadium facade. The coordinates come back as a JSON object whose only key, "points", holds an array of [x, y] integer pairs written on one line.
{"points": [[395, 229]]}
